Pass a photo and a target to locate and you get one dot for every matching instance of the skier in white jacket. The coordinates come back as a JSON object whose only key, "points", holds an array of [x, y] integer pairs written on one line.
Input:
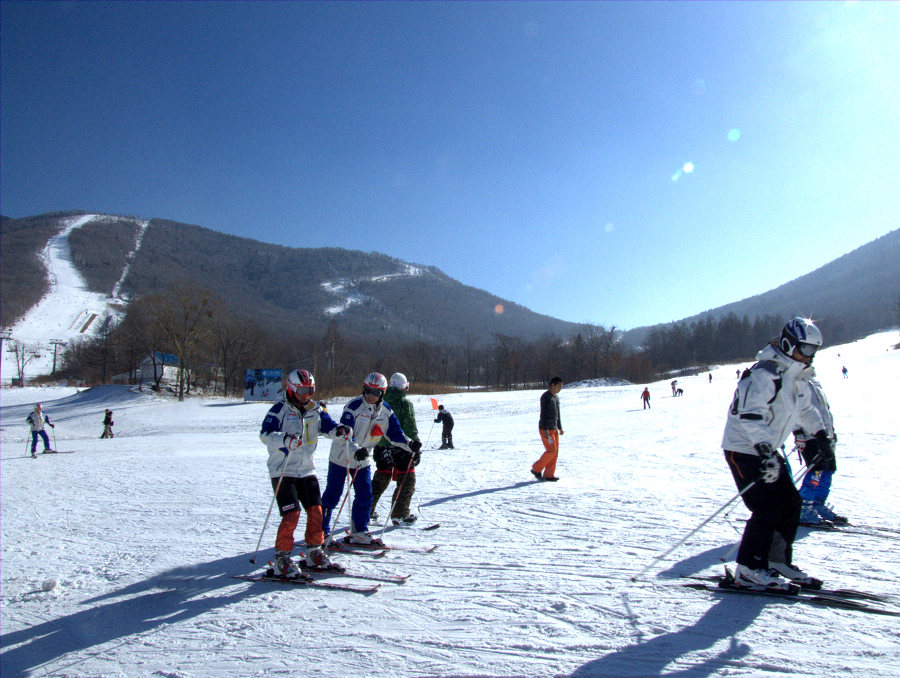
{"points": [[771, 401], [291, 431], [36, 421], [371, 420]]}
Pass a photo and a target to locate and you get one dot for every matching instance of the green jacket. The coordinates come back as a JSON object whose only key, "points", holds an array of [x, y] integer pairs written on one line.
{"points": [[398, 402]]}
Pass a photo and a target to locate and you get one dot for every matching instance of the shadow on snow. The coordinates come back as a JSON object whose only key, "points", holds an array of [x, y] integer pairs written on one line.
{"points": [[168, 598]]}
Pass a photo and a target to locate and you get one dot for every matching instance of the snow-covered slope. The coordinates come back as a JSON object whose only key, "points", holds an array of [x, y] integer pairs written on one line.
{"points": [[144, 532], [68, 311]]}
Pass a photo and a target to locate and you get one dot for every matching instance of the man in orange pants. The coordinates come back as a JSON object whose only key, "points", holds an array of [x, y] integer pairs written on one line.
{"points": [[550, 427]]}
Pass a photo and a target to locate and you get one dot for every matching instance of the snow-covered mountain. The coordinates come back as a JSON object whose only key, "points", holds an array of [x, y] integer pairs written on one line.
{"points": [[143, 534], [370, 295], [68, 311]]}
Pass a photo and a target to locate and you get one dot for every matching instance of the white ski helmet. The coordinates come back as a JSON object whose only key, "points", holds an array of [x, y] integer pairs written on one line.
{"points": [[800, 333], [375, 384], [399, 380], [299, 386]]}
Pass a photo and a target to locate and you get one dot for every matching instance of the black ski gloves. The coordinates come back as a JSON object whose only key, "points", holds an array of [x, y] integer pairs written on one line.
{"points": [[361, 454], [825, 460]]}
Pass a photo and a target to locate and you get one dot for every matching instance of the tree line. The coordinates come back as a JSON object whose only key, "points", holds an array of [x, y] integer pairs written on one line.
{"points": [[214, 348]]}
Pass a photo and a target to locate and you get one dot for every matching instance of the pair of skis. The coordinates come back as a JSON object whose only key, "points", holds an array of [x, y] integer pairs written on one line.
{"points": [[308, 580], [848, 599]]}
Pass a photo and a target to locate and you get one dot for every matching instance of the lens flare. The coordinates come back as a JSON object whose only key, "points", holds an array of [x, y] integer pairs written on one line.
{"points": [[734, 134], [498, 309]]}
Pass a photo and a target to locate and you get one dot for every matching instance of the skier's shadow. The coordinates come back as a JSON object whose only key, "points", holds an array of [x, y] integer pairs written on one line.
{"points": [[167, 598], [476, 493], [723, 620]]}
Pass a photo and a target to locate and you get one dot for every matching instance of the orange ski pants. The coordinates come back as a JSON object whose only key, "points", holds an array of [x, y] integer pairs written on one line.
{"points": [[546, 465], [284, 540]]}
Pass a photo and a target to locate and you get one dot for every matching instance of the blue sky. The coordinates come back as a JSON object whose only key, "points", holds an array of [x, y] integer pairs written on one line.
{"points": [[621, 163]]}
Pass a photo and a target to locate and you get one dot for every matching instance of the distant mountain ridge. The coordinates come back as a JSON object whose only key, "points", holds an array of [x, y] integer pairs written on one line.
{"points": [[853, 296], [378, 297], [369, 295]]}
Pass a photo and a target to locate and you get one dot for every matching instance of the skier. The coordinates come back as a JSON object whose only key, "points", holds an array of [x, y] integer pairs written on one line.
{"points": [[645, 396], [395, 463], [370, 420], [291, 431], [36, 420], [446, 420], [820, 462], [550, 428], [772, 399], [107, 425], [674, 386]]}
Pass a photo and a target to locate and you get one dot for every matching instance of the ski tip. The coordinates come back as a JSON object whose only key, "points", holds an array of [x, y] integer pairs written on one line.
{"points": [[431, 527]]}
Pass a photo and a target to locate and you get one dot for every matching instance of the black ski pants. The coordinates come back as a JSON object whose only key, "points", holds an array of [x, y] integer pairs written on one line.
{"points": [[774, 508]]}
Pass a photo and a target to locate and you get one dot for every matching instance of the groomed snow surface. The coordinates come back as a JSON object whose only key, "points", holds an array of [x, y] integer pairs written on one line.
{"points": [[144, 532]]}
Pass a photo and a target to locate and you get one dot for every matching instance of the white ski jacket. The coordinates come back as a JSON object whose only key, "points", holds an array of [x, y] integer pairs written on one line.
{"points": [[37, 420], [771, 401], [820, 402], [370, 423], [282, 419]]}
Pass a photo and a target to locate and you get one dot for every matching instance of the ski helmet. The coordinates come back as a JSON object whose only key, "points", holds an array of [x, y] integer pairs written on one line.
{"points": [[800, 333], [375, 384], [399, 380], [37, 407], [299, 386]]}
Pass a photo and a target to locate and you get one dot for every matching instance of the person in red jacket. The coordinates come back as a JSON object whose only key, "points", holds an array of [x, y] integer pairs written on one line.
{"points": [[645, 396]]}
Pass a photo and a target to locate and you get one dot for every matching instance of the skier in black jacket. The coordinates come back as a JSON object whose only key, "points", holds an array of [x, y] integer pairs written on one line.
{"points": [[445, 418]]}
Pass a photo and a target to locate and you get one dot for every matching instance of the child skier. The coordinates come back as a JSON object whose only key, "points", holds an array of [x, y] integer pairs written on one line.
{"points": [[371, 419], [820, 461], [291, 430]]}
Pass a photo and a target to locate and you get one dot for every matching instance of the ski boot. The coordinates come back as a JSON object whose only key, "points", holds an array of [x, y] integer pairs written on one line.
{"points": [[795, 575], [759, 580], [284, 567], [317, 559], [363, 539]]}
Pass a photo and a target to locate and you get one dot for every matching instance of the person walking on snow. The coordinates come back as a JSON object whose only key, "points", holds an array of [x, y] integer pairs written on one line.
{"points": [[36, 420], [370, 420], [771, 401], [107, 425], [446, 420], [820, 463], [550, 428], [291, 431], [645, 396], [674, 386], [395, 463]]}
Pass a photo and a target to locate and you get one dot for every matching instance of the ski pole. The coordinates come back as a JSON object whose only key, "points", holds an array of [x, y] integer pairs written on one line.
{"points": [[694, 531], [396, 498], [53, 429], [272, 503], [330, 537], [730, 554]]}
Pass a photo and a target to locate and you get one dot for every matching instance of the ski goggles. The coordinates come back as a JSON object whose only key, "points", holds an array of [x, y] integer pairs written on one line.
{"points": [[808, 350], [304, 390], [376, 392]]}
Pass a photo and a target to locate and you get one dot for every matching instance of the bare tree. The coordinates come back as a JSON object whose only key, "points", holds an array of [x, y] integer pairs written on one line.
{"points": [[183, 314], [24, 354], [235, 341]]}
